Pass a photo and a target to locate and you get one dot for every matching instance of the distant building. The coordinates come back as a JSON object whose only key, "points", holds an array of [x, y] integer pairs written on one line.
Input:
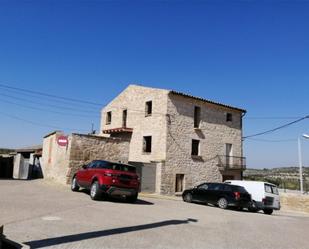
{"points": [[27, 163], [176, 140], [23, 163]]}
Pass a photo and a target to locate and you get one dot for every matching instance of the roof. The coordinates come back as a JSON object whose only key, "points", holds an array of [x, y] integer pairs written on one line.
{"points": [[30, 148], [118, 130], [194, 97], [207, 101]]}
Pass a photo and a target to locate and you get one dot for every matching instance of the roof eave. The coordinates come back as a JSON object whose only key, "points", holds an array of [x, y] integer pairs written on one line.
{"points": [[207, 101]]}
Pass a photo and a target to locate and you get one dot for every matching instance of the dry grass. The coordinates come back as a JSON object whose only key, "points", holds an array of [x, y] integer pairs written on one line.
{"points": [[294, 202]]}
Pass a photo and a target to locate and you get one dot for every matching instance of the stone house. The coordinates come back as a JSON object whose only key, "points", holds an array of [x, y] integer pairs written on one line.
{"points": [[176, 140]]}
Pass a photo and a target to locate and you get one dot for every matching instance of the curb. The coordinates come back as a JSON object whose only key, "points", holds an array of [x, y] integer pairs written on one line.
{"points": [[162, 197]]}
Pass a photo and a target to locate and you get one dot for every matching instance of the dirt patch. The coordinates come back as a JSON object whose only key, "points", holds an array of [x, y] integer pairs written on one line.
{"points": [[294, 202]]}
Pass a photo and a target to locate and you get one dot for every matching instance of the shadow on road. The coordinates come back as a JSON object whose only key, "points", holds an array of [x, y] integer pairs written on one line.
{"points": [[91, 235]]}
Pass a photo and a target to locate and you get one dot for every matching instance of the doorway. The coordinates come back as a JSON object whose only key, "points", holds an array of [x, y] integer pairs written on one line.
{"points": [[229, 154], [179, 182]]}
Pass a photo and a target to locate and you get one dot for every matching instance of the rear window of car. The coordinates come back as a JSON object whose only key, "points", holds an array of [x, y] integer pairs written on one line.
{"points": [[239, 189], [271, 189], [115, 166]]}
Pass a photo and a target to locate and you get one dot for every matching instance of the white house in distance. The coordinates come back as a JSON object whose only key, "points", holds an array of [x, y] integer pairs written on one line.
{"points": [[176, 140]]}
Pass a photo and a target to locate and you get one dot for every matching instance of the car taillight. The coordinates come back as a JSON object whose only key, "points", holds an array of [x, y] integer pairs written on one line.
{"points": [[237, 195]]}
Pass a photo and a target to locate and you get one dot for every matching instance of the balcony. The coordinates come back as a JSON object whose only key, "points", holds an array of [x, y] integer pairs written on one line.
{"points": [[231, 163]]}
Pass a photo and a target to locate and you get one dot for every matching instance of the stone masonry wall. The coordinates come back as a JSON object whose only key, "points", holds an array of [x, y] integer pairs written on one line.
{"points": [[85, 148], [133, 99], [61, 162], [213, 134]]}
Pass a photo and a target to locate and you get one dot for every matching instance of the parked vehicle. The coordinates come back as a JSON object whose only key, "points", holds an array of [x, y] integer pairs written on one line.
{"points": [[104, 178], [265, 196], [221, 194]]}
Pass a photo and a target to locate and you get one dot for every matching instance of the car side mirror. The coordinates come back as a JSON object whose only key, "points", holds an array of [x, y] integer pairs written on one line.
{"points": [[84, 166]]}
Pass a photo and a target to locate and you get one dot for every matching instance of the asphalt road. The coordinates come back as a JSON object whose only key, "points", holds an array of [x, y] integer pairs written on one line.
{"points": [[43, 215]]}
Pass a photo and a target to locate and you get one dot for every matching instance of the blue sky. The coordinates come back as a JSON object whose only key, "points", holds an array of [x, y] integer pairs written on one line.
{"points": [[250, 54]]}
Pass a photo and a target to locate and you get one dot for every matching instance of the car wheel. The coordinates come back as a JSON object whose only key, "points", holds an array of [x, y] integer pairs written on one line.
{"points": [[94, 191], [252, 207], [187, 197], [132, 198], [268, 211], [74, 184], [222, 203]]}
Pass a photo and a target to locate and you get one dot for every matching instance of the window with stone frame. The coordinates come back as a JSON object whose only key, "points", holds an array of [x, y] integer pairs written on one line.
{"points": [[229, 117], [148, 108], [108, 118], [147, 144], [195, 147], [197, 116]]}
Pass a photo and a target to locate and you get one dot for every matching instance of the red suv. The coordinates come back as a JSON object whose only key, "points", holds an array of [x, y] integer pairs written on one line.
{"points": [[107, 178]]}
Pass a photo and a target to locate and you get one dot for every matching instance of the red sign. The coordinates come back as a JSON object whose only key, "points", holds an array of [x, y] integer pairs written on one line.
{"points": [[62, 140]]}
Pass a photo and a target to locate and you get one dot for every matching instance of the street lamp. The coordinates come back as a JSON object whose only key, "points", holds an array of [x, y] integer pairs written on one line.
{"points": [[300, 163]]}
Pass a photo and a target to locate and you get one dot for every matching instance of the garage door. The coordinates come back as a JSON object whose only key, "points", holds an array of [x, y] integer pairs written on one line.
{"points": [[147, 173]]}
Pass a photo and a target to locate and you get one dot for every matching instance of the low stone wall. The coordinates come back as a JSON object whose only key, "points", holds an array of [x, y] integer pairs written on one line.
{"points": [[61, 162], [294, 202], [85, 148]]}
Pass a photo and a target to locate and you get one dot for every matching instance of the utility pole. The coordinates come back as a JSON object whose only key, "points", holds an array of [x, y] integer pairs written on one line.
{"points": [[300, 167], [92, 130]]}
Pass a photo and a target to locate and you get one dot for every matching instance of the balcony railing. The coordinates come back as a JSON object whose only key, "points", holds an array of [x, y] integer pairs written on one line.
{"points": [[231, 162]]}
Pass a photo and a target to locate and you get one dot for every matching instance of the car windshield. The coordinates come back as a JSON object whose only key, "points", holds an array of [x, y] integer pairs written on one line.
{"points": [[116, 166]]}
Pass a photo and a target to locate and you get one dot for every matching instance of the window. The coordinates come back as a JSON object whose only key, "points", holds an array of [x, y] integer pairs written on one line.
{"points": [[124, 118], [108, 117], [227, 188], [203, 186], [147, 144], [271, 189], [92, 165], [195, 147], [148, 108], [268, 188], [216, 187], [115, 166], [229, 117], [197, 116], [229, 154]]}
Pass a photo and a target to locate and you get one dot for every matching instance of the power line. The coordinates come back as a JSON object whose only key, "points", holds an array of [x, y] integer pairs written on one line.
{"points": [[49, 95], [48, 99], [25, 91], [273, 141], [40, 124], [45, 104], [277, 128], [46, 110], [263, 118]]}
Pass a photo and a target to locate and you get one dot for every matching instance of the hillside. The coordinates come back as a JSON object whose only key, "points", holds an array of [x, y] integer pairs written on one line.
{"points": [[286, 177], [5, 151]]}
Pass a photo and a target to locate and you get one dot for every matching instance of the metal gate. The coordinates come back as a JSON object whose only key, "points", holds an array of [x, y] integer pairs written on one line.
{"points": [[147, 173]]}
